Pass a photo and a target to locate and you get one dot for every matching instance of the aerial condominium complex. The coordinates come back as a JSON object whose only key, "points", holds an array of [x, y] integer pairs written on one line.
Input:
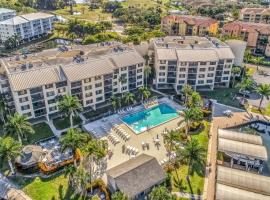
{"points": [[204, 63], [189, 25], [32, 84], [27, 27], [255, 34], [257, 15]]}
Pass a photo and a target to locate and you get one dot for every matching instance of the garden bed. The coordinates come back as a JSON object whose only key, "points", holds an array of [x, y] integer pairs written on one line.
{"points": [[63, 123]]}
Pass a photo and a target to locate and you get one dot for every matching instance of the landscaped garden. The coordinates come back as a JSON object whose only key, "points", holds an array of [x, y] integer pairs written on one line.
{"points": [[41, 131], [64, 122]]}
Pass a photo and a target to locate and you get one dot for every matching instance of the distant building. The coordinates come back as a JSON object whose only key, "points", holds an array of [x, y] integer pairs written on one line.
{"points": [[136, 177], [27, 27], [6, 14], [189, 25], [257, 15], [204, 63], [255, 34]]}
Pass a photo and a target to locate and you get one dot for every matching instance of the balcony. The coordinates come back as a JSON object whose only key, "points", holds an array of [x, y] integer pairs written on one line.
{"points": [[37, 97]]}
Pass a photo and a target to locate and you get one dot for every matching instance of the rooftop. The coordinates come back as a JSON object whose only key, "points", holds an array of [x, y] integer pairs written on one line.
{"points": [[248, 26], [255, 11], [191, 20], [5, 10]]}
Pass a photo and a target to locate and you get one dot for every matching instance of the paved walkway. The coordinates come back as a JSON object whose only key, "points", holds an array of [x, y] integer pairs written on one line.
{"points": [[187, 195]]}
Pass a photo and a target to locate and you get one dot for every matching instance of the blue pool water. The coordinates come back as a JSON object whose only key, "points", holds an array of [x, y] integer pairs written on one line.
{"points": [[149, 118]]}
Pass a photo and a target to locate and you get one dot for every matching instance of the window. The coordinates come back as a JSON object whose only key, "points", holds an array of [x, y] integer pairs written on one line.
{"points": [[48, 86], [201, 75], [202, 69], [52, 108], [26, 107], [89, 101], [225, 78], [182, 75], [162, 61], [29, 114], [123, 68], [60, 90], [161, 79], [88, 94], [51, 101], [183, 63], [209, 81], [89, 87], [61, 84], [162, 67], [88, 80], [210, 75], [139, 77], [139, 83], [139, 70], [202, 63], [22, 92], [213, 63], [200, 81], [226, 72], [76, 84], [182, 69], [162, 73], [98, 78], [193, 64], [97, 85], [99, 99], [98, 92], [181, 82], [229, 61], [124, 88], [211, 69], [23, 99], [140, 64], [49, 94]]}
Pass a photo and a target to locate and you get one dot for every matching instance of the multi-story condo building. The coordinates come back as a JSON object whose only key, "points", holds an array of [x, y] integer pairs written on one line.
{"points": [[189, 25], [257, 15], [255, 34], [27, 27], [204, 63], [6, 14], [32, 85]]}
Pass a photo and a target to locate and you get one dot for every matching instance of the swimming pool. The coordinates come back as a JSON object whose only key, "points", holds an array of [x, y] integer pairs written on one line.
{"points": [[149, 118]]}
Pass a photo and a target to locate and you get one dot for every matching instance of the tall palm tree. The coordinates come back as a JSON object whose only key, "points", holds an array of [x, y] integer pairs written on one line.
{"points": [[186, 90], [69, 172], [193, 154], [194, 100], [119, 196], [114, 102], [145, 92], [264, 91], [10, 149], [19, 125], [2, 110], [147, 73], [245, 84], [169, 139], [74, 139], [70, 105], [235, 71], [129, 98]]}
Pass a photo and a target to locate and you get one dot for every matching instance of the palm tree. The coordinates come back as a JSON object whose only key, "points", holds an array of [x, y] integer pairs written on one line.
{"points": [[147, 72], [2, 110], [161, 193], [69, 172], [245, 84], [235, 71], [194, 100], [129, 98], [119, 196], [193, 154], [70, 105], [10, 149], [145, 92], [114, 102], [186, 90], [169, 139], [74, 139], [19, 125], [264, 91]]}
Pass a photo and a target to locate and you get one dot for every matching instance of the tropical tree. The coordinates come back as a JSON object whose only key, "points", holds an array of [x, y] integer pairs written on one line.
{"points": [[194, 100], [145, 92], [81, 179], [235, 72], [10, 149], [119, 196], [245, 84], [161, 193], [69, 172], [114, 102], [169, 139], [186, 90], [193, 154], [2, 110], [19, 125], [129, 98], [70, 105], [264, 91], [74, 139], [147, 73]]}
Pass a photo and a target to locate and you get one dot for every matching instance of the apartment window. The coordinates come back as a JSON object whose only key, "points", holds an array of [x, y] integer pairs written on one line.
{"points": [[88, 80], [183, 63], [139, 70], [98, 78], [29, 114], [209, 81], [26, 107], [182, 69], [161, 79], [114, 83], [139, 77], [22, 92], [139, 83], [124, 88], [99, 99], [61, 90], [202, 63], [193, 64], [182, 75], [181, 81], [227, 66], [97, 85], [61, 84], [89, 101], [211, 69], [89, 87], [213, 63], [51, 101], [23, 99], [162, 73], [200, 81], [123, 68], [140, 64], [162, 67], [76, 84], [201, 75], [202, 69], [210, 75], [226, 72], [98, 92], [225, 78], [88, 94], [49, 94], [229, 61], [54, 108], [48, 86], [162, 61]]}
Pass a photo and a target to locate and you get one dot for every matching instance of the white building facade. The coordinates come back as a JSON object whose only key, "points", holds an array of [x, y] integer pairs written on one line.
{"points": [[6, 14]]}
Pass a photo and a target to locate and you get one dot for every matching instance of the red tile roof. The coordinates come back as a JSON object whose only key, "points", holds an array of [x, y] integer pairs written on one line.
{"points": [[255, 10], [248, 26], [191, 20]]}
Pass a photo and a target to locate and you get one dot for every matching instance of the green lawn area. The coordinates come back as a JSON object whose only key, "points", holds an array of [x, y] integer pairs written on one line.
{"points": [[42, 131], [224, 96], [62, 123], [197, 178], [263, 111], [55, 188]]}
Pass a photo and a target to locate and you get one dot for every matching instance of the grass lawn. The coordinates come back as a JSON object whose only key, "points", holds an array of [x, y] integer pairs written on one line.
{"points": [[263, 111], [62, 123], [197, 178], [224, 96], [55, 188], [42, 131]]}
